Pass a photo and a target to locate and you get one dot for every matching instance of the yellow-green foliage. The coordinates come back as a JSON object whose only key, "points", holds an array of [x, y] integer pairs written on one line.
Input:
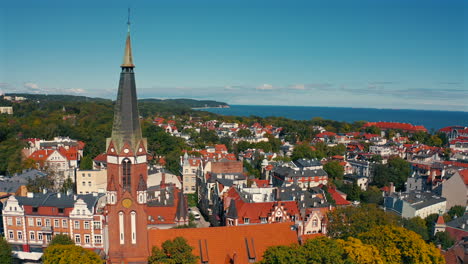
{"points": [[359, 252], [69, 254], [400, 245]]}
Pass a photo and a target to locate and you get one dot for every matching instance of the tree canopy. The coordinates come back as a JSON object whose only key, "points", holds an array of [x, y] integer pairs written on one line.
{"points": [[61, 239], [69, 254], [5, 251], [176, 251]]}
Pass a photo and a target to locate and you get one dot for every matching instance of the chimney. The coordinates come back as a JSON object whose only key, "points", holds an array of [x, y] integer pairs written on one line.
{"points": [[30, 195], [392, 188], [44, 191], [163, 180], [59, 195]]}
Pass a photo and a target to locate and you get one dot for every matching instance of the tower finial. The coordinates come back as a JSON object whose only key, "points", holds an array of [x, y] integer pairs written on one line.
{"points": [[128, 20], [128, 59]]}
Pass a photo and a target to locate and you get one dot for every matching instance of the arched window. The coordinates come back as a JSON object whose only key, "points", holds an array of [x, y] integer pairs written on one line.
{"points": [[133, 224], [126, 174], [121, 228]]}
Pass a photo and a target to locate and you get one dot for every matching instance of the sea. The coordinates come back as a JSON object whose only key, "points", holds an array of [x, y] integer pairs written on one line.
{"points": [[431, 119]]}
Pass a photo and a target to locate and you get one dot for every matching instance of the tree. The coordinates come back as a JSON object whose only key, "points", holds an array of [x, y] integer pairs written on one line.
{"points": [[5, 251], [244, 133], [400, 245], [417, 225], [283, 255], [68, 185], [175, 251], [359, 252], [334, 169], [396, 170], [324, 250], [86, 163], [303, 151], [373, 130], [372, 195], [443, 239], [351, 221], [38, 184], [456, 210], [69, 254], [61, 239]]}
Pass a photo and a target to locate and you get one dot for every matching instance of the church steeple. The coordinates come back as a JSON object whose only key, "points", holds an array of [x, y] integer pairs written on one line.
{"points": [[126, 128]]}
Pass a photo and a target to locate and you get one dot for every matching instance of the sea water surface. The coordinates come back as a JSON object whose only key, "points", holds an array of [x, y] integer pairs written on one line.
{"points": [[432, 120]]}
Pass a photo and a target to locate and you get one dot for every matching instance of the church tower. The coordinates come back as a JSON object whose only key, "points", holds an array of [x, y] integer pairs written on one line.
{"points": [[127, 174]]}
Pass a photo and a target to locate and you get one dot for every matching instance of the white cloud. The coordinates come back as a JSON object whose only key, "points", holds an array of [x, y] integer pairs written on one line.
{"points": [[76, 90], [31, 86], [298, 87], [265, 86]]}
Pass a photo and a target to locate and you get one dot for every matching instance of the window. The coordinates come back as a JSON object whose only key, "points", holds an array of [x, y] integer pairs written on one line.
{"points": [[31, 221], [77, 239], [97, 239], [97, 225], [89, 183], [34, 209], [56, 223], [314, 223], [48, 237], [193, 188], [278, 219], [77, 225], [38, 222], [39, 236], [186, 179], [263, 220], [9, 221], [47, 222], [18, 221], [64, 223], [32, 236], [89, 174], [11, 235], [83, 175], [86, 225], [126, 174], [20, 235], [83, 183], [246, 220], [87, 239], [60, 210]]}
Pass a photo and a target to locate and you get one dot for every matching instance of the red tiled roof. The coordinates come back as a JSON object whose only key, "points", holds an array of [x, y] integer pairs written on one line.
{"points": [[69, 154], [464, 175], [261, 183], [221, 244], [325, 134], [41, 155], [101, 157], [456, 164], [337, 197], [395, 125]]}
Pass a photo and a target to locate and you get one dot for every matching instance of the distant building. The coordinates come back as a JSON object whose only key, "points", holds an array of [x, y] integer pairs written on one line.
{"points": [[6, 110], [413, 204], [455, 189], [91, 181]]}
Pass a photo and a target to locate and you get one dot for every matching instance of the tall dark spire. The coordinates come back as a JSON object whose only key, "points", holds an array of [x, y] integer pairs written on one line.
{"points": [[126, 126]]}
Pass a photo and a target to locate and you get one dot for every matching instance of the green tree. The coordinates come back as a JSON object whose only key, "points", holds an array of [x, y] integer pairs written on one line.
{"points": [[303, 151], [38, 184], [417, 225], [372, 195], [283, 255], [86, 163], [400, 245], [396, 170], [351, 221], [334, 169], [176, 251], [244, 133], [5, 251], [69, 254], [324, 250], [68, 185], [373, 130], [456, 210], [61, 239], [444, 239]]}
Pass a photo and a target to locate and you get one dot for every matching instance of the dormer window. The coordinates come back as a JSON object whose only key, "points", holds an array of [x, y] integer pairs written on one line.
{"points": [[246, 220]]}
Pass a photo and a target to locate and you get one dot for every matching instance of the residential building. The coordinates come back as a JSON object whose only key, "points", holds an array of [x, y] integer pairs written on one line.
{"points": [[91, 181], [6, 110], [455, 189], [413, 204], [32, 221]]}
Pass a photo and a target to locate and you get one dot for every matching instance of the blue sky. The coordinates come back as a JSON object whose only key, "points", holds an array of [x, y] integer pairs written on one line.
{"points": [[378, 54]]}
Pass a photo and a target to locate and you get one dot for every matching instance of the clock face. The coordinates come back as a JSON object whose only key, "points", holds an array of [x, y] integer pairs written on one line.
{"points": [[126, 203], [278, 212]]}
